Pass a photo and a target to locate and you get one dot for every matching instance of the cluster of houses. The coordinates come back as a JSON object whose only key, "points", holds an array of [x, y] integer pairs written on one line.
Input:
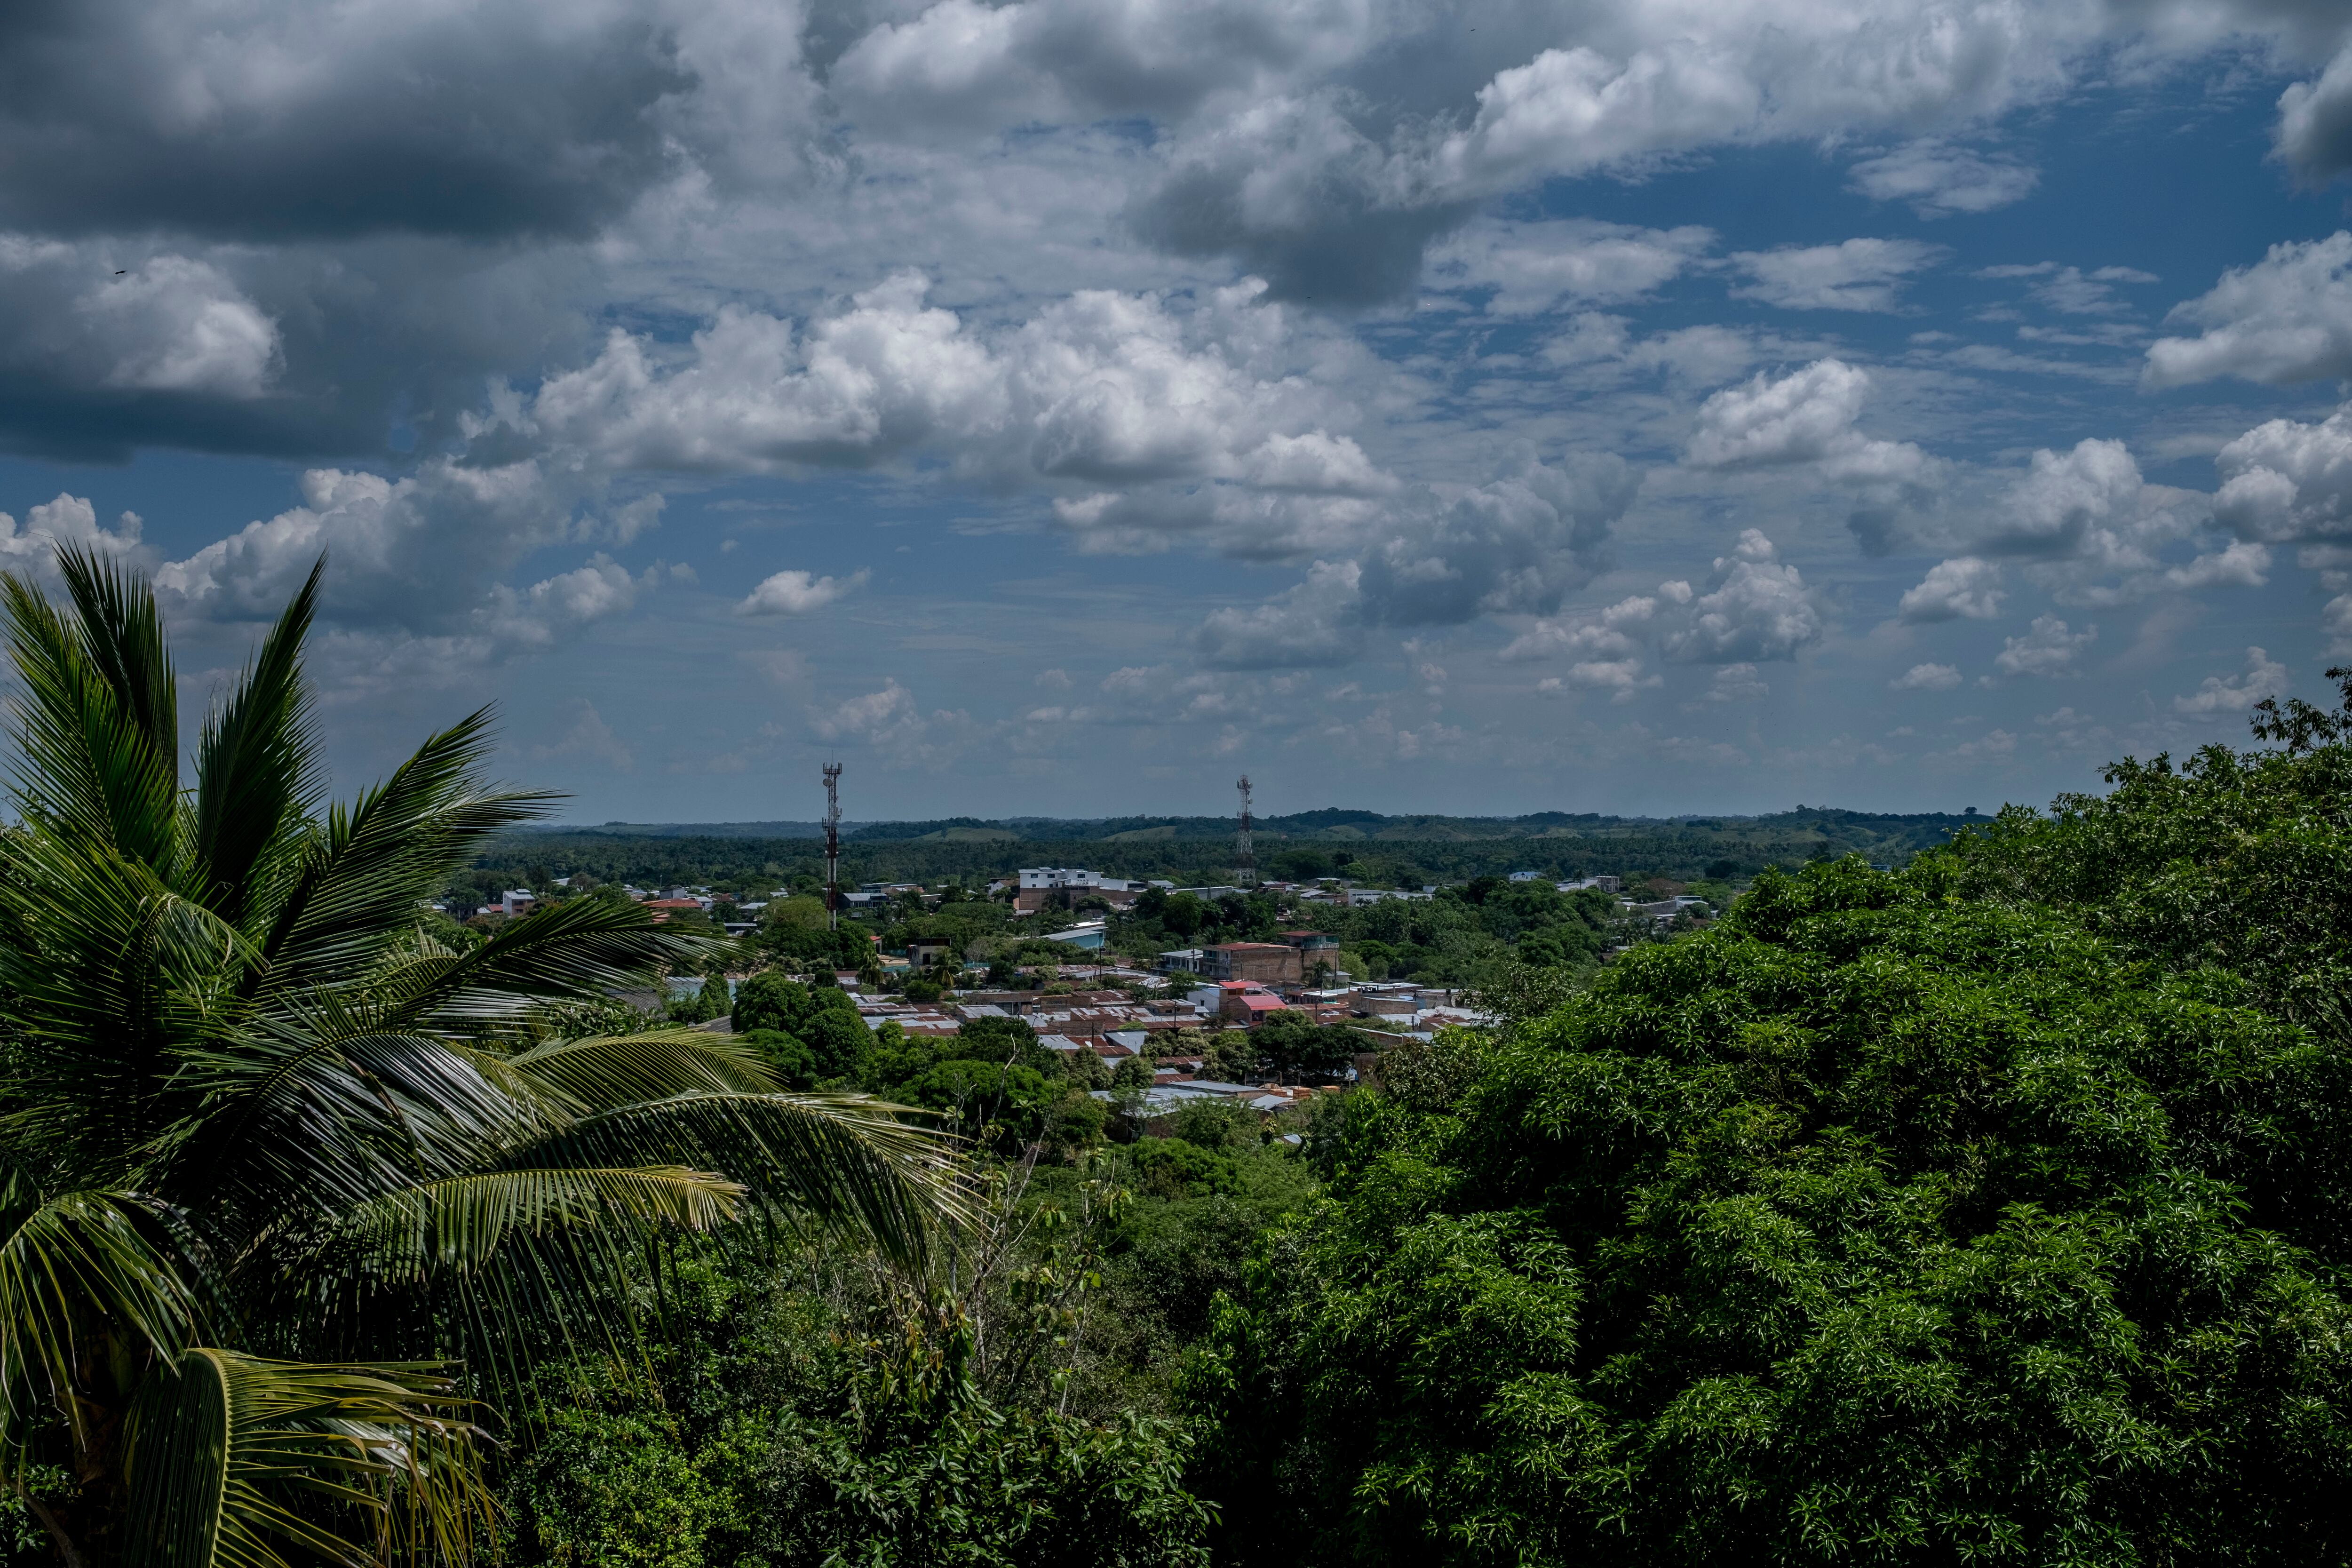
{"points": [[1115, 1025]]}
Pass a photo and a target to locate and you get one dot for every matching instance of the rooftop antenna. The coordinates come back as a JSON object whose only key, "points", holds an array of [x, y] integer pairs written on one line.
{"points": [[833, 845], [1245, 857]]}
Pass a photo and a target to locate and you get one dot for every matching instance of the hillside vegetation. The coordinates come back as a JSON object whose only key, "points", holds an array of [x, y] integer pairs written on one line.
{"points": [[1363, 845]]}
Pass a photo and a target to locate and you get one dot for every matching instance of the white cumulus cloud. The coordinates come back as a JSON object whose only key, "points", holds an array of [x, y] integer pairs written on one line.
{"points": [[2286, 318], [1927, 677], [796, 593], [1806, 416], [2289, 482], [1961, 588], [1758, 610], [2048, 647], [2222, 695]]}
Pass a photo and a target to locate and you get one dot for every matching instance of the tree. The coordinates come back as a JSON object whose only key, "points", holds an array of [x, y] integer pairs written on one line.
{"points": [[800, 912], [1879, 1223], [1293, 1043], [1185, 914], [274, 1158], [769, 1001], [704, 1003]]}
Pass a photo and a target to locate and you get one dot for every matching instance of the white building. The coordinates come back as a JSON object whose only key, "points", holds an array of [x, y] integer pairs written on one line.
{"points": [[1071, 877]]}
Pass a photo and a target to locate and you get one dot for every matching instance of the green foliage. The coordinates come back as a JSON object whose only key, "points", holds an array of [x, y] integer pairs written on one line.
{"points": [[769, 1001], [2240, 862], [704, 1003], [1878, 1225], [806, 948], [1211, 1124], [275, 1160], [1297, 1048], [616, 1487], [801, 912], [991, 1488], [832, 1043]]}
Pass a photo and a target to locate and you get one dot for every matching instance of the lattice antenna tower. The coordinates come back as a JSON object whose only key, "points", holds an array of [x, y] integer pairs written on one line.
{"points": [[1245, 857], [833, 845]]}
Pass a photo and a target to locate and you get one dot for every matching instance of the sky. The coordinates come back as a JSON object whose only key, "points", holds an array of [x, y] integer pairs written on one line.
{"points": [[1061, 408]]}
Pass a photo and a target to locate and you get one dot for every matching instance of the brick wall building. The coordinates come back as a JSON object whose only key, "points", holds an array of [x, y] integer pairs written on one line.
{"points": [[1267, 963]]}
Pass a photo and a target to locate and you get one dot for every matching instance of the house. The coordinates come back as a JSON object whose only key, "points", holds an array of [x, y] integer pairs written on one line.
{"points": [[1181, 960], [1598, 884], [1266, 963], [1059, 885], [518, 901], [1239, 1003], [1526, 876], [1361, 896], [1086, 935]]}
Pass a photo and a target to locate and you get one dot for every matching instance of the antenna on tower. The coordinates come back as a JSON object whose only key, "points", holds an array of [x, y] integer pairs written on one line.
{"points": [[833, 845], [1245, 857]]}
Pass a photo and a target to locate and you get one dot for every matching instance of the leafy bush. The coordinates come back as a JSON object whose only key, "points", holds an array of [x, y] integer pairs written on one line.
{"points": [[1877, 1225]]}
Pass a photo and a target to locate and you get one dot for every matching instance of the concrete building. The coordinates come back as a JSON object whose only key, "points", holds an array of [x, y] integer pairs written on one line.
{"points": [[1061, 886], [1265, 963], [1237, 1004]]}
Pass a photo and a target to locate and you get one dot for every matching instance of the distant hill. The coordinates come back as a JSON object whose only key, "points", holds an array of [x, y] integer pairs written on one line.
{"points": [[1330, 824], [701, 829], [1367, 846]]}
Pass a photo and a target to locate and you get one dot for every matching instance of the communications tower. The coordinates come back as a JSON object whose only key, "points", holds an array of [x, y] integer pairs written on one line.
{"points": [[1245, 857], [833, 845]]}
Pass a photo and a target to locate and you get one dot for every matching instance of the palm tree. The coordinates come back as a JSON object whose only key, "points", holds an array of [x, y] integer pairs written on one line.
{"points": [[274, 1161]]}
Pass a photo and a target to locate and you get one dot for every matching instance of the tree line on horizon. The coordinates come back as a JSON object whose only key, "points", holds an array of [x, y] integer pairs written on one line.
{"points": [[1718, 848]]}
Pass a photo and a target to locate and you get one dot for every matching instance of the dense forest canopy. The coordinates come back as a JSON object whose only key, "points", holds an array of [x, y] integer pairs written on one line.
{"points": [[1993, 1210]]}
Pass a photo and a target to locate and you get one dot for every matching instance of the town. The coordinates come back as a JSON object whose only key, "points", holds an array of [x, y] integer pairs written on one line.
{"points": [[1074, 955]]}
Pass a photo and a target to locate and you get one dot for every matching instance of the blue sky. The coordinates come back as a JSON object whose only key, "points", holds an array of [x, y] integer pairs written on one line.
{"points": [[1061, 407]]}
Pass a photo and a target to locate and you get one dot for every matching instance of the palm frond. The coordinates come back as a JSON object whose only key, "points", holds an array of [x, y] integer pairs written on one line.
{"points": [[122, 633], [258, 767], [463, 1223], [324, 1110], [93, 765], [361, 877], [584, 948], [111, 966], [609, 1071], [842, 1159], [67, 1266], [223, 1449]]}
